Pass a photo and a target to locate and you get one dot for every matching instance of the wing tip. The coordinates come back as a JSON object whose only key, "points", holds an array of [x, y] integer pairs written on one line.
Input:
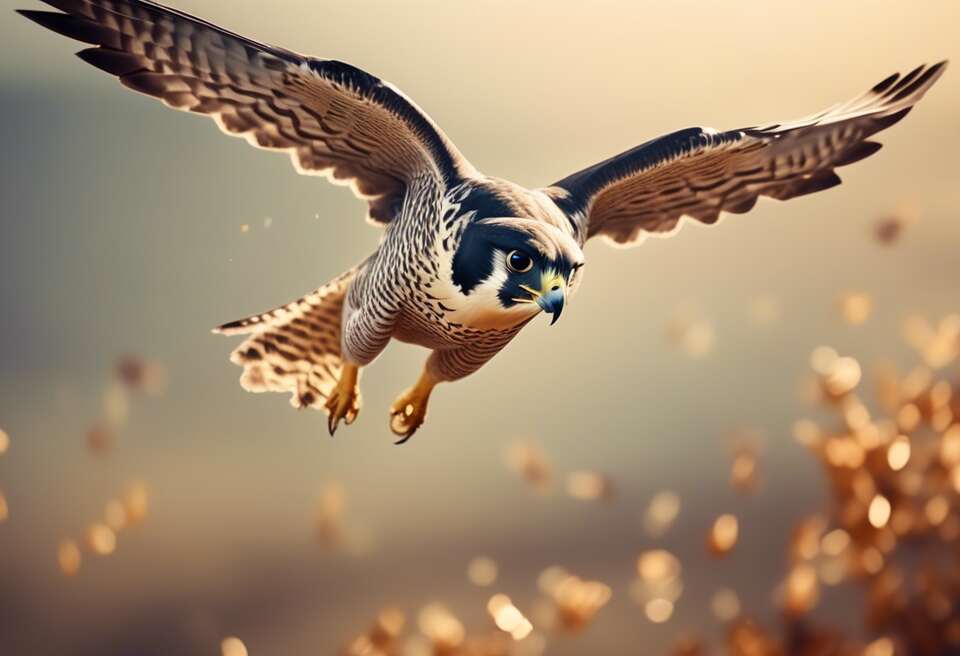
{"points": [[39, 16], [73, 27], [238, 327]]}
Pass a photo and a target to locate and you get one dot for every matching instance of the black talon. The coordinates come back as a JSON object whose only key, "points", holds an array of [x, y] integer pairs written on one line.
{"points": [[404, 439]]}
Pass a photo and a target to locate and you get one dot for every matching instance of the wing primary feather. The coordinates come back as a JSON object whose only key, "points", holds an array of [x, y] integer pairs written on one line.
{"points": [[112, 61], [885, 84], [883, 122], [857, 152], [73, 27]]}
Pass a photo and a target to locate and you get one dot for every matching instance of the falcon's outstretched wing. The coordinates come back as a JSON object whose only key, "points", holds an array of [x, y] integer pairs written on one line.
{"points": [[332, 118], [700, 172]]}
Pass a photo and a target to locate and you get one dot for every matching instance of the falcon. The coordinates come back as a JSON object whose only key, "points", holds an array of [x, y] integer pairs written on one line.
{"points": [[465, 260]]}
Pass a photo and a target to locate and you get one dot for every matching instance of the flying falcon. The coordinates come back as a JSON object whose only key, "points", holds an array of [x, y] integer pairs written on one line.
{"points": [[465, 260]]}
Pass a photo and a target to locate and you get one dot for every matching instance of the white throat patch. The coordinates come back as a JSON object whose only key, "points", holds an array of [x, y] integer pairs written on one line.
{"points": [[481, 308]]}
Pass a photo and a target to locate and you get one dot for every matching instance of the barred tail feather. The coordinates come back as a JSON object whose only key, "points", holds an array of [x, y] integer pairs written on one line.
{"points": [[296, 347]]}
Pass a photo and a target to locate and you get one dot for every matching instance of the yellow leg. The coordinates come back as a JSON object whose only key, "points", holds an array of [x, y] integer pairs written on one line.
{"points": [[410, 409], [344, 401]]}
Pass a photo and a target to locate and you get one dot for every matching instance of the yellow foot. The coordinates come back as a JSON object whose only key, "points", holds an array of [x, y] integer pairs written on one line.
{"points": [[344, 401], [410, 409]]}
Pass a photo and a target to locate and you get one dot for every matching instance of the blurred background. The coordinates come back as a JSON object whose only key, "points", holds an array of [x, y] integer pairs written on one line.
{"points": [[666, 398]]}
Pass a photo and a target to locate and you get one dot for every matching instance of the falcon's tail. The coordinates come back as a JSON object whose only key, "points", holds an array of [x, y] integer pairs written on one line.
{"points": [[296, 347]]}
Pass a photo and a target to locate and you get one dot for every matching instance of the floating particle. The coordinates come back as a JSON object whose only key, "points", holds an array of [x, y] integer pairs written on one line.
{"points": [[658, 577], [950, 446], [267, 222], [100, 440], [244, 227], [658, 566], [764, 311], [482, 571], [857, 418], [889, 228], [723, 535], [101, 539], [4, 442], [4, 509], [135, 503], [937, 510], [140, 375], [69, 557], [744, 470], [855, 307], [381, 639], [578, 601], [940, 395], [844, 452], [695, 337], [805, 540], [879, 512], [441, 626], [661, 513], [822, 359], [725, 605], [388, 627], [233, 646], [529, 460], [898, 453], [589, 486], [658, 611], [835, 542], [909, 418], [843, 376], [508, 617], [801, 590]]}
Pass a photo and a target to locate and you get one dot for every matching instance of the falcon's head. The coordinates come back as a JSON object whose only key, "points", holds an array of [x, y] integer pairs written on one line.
{"points": [[514, 268]]}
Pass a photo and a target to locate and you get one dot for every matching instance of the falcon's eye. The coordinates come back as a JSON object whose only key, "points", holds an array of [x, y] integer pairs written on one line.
{"points": [[519, 261]]}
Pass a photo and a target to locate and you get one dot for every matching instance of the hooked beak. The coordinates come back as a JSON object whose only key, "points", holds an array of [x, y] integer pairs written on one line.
{"points": [[552, 303], [550, 296]]}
